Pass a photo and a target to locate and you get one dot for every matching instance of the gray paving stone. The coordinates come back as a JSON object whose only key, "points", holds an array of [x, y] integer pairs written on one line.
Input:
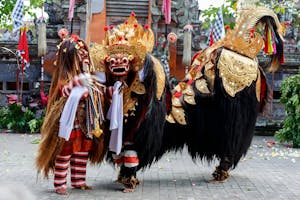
{"points": [[265, 173]]}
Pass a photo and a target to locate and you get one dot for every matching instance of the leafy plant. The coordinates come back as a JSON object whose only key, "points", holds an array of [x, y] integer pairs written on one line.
{"points": [[4, 121], [229, 9], [6, 8], [290, 96], [35, 125], [18, 118]]}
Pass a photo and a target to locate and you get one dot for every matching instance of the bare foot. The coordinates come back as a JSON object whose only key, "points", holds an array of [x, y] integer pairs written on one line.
{"points": [[128, 190], [61, 191]]}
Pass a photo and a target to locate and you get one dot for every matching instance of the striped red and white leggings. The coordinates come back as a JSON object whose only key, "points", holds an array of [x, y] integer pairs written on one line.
{"points": [[78, 161]]}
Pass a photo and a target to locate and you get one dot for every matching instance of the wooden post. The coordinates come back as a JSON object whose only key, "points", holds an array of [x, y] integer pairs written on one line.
{"points": [[88, 22], [149, 13]]}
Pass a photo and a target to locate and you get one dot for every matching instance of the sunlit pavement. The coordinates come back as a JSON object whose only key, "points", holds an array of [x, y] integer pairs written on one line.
{"points": [[269, 171]]}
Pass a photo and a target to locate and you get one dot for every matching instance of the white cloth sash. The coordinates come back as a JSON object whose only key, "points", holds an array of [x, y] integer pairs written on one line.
{"points": [[69, 112], [115, 115]]}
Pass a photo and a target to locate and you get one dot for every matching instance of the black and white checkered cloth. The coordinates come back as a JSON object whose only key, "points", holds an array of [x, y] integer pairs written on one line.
{"points": [[218, 27], [17, 15]]}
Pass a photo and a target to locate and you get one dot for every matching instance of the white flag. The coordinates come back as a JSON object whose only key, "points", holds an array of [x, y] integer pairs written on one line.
{"points": [[217, 29], [17, 15]]}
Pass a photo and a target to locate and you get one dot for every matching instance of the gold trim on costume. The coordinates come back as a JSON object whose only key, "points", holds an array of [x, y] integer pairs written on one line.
{"points": [[201, 85], [258, 86], [210, 74], [236, 71], [160, 77], [178, 114], [170, 119], [130, 102], [189, 99]]}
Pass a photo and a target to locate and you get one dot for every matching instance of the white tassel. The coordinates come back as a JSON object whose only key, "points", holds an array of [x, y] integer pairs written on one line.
{"points": [[42, 44], [187, 45]]}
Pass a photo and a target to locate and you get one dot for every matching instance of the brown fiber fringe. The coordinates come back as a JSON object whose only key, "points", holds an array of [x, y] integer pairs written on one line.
{"points": [[51, 145]]}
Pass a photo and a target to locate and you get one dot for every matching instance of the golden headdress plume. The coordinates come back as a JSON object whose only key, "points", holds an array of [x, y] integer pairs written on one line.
{"points": [[243, 38], [251, 16], [129, 38]]}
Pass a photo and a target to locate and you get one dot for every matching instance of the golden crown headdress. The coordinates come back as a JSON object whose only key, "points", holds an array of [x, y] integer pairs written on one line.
{"points": [[129, 38]]}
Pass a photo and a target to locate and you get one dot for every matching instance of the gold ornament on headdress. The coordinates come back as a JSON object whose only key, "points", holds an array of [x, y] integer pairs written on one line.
{"points": [[243, 39], [129, 39], [243, 43]]}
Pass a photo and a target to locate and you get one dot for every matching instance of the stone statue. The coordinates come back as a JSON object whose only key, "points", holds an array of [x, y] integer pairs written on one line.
{"points": [[55, 11], [185, 10]]}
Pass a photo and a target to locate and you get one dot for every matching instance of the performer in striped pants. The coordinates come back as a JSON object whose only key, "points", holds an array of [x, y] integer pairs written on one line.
{"points": [[74, 153], [71, 133], [78, 170]]}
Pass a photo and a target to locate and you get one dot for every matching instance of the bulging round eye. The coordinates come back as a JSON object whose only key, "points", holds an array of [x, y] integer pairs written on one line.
{"points": [[125, 60], [112, 61]]}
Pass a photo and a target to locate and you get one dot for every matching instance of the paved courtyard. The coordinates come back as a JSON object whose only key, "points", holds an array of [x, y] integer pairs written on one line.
{"points": [[269, 171]]}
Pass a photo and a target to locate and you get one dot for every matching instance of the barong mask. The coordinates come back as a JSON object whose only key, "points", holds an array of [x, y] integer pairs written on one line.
{"points": [[124, 48], [119, 64]]}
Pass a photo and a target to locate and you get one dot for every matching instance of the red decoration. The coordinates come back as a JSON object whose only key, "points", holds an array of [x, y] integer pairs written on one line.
{"points": [[135, 25], [120, 37], [132, 14], [126, 22], [195, 56], [111, 27], [172, 37], [177, 94], [227, 27], [190, 82], [252, 33], [146, 26], [75, 37], [44, 98], [106, 28], [63, 33], [211, 37]]}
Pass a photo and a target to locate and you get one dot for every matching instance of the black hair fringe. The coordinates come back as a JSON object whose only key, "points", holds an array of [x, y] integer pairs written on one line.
{"points": [[148, 134], [218, 126]]}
